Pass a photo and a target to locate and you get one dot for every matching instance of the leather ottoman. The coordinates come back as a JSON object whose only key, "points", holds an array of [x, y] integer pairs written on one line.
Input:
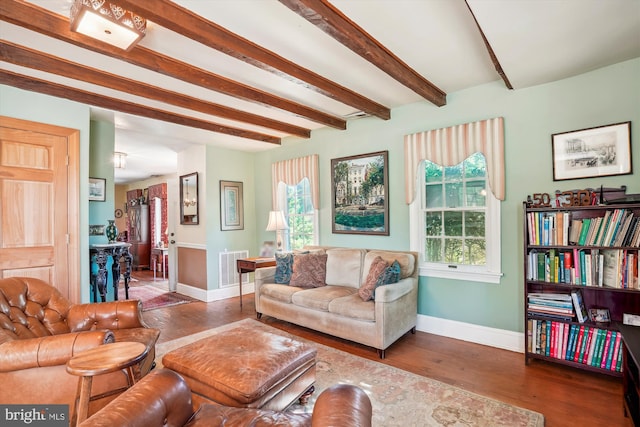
{"points": [[244, 367]]}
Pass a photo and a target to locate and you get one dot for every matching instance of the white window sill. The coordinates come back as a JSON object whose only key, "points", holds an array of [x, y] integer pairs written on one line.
{"points": [[457, 274]]}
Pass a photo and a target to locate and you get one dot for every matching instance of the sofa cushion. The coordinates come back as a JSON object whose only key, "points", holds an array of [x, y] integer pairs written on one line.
{"points": [[353, 306], [284, 267], [377, 269], [344, 266], [319, 298], [278, 292], [390, 275], [309, 270], [406, 261]]}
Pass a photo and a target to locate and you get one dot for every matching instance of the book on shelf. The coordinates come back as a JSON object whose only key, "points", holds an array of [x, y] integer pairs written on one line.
{"points": [[611, 267], [579, 306]]}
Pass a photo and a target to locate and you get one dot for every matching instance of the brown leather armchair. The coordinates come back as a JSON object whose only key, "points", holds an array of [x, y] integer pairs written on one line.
{"points": [[163, 399], [40, 331]]}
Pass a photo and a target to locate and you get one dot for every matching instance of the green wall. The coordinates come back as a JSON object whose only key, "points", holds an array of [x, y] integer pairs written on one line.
{"points": [[228, 165], [101, 166], [531, 116]]}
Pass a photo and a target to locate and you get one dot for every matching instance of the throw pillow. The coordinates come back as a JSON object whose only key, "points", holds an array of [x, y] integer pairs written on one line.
{"points": [[378, 267], [390, 275], [309, 271], [284, 267]]}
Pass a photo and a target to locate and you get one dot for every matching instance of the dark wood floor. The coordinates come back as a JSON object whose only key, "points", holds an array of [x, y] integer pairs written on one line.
{"points": [[566, 396]]}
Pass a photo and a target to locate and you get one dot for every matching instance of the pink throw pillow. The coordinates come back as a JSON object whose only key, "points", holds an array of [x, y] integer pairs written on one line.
{"points": [[309, 271], [378, 266]]}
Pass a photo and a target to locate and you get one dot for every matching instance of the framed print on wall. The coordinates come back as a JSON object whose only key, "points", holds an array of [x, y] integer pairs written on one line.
{"points": [[231, 206], [360, 194], [97, 189], [593, 152]]}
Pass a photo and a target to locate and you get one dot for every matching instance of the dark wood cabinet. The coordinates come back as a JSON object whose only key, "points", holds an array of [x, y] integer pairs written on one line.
{"points": [[560, 260], [139, 236], [631, 372]]}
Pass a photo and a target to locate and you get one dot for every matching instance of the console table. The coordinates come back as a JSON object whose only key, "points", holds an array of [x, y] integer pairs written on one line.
{"points": [[102, 252], [160, 252], [249, 265]]}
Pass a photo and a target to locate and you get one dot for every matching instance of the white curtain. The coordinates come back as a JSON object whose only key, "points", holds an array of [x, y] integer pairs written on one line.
{"points": [[450, 146], [291, 172]]}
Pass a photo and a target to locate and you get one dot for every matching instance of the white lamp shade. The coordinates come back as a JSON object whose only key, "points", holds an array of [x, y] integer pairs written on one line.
{"points": [[277, 221]]}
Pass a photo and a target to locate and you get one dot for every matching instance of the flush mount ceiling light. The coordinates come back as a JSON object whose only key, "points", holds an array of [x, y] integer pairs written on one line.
{"points": [[119, 160], [108, 22]]}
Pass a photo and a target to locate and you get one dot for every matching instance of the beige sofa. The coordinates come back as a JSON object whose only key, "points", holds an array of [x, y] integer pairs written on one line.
{"points": [[337, 308]]}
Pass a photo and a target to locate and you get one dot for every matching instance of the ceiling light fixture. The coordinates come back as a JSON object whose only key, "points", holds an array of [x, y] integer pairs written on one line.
{"points": [[119, 160], [107, 22]]}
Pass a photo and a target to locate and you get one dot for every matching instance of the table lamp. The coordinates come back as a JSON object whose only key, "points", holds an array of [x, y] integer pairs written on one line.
{"points": [[277, 223]]}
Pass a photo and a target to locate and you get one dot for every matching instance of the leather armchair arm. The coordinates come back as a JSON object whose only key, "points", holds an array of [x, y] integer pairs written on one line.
{"points": [[342, 405], [161, 398], [394, 291], [106, 315], [51, 350]]}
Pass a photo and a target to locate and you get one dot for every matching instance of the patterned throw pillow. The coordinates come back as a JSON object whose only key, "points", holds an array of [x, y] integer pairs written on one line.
{"points": [[390, 275], [284, 267], [309, 271], [377, 269]]}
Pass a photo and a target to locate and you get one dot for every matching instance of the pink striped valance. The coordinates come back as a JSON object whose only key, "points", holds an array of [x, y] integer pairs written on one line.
{"points": [[450, 146], [292, 171]]}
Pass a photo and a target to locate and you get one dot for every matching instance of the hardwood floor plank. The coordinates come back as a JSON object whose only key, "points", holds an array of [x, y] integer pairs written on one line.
{"points": [[566, 396]]}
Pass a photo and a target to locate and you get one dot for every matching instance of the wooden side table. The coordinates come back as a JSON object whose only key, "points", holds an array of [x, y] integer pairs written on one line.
{"points": [[101, 360], [249, 265]]}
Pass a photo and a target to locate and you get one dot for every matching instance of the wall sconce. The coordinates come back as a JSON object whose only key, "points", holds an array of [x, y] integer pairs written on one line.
{"points": [[277, 223], [119, 160], [107, 22]]}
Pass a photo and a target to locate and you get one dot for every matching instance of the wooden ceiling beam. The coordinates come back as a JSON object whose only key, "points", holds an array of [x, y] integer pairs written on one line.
{"points": [[492, 55], [54, 89], [30, 58], [53, 25], [183, 21], [332, 21]]}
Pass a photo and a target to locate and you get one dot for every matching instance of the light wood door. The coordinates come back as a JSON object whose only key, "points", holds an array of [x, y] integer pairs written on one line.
{"points": [[39, 204]]}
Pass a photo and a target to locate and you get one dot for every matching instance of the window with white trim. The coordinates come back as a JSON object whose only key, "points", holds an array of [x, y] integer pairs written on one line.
{"points": [[455, 222], [302, 218]]}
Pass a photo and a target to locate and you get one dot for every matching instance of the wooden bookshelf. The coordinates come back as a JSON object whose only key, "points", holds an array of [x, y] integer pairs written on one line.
{"points": [[559, 259]]}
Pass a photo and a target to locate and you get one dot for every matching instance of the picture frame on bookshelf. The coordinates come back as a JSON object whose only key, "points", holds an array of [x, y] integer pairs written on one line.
{"points": [[592, 152], [599, 315]]}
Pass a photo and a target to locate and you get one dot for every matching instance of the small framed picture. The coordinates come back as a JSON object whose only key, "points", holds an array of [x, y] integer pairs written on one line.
{"points": [[599, 315], [97, 189]]}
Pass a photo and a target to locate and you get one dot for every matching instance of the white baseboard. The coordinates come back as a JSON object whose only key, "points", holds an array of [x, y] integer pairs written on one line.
{"points": [[499, 338], [214, 294]]}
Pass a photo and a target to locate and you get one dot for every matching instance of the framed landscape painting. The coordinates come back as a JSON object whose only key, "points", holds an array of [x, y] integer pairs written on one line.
{"points": [[593, 152], [360, 194]]}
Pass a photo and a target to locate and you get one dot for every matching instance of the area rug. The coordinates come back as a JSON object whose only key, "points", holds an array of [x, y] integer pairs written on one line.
{"points": [[153, 297], [399, 398]]}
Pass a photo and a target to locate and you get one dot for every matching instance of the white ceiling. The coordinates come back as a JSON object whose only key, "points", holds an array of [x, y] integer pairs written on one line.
{"points": [[535, 41]]}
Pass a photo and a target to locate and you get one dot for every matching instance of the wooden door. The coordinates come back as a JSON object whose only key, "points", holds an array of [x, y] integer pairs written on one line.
{"points": [[39, 204]]}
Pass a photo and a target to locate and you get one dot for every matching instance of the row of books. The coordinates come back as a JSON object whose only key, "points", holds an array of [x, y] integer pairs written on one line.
{"points": [[618, 227], [588, 345], [615, 268], [559, 306]]}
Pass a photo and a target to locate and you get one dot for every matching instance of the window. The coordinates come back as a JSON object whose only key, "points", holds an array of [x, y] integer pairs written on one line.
{"points": [[457, 221], [302, 218]]}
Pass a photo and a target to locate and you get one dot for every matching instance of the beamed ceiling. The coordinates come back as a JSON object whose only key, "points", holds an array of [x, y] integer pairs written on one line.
{"points": [[244, 74]]}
